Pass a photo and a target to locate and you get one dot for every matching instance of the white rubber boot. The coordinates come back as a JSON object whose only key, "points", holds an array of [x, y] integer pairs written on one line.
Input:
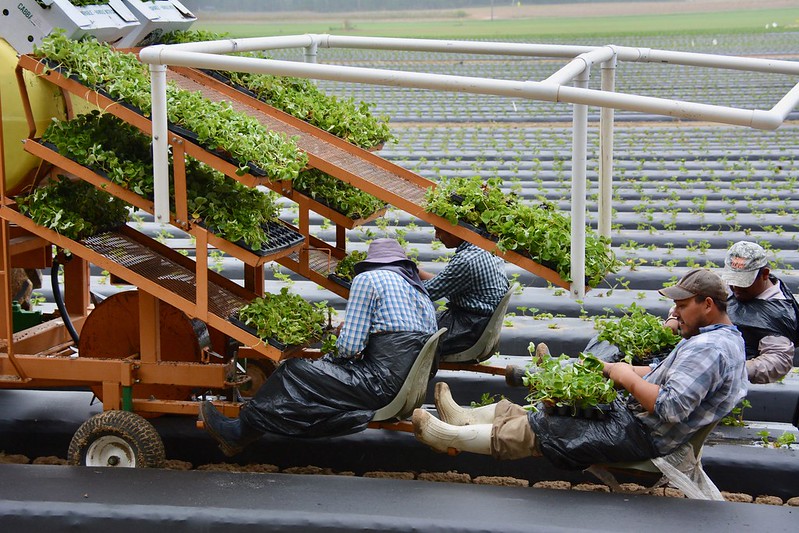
{"points": [[446, 438], [452, 413]]}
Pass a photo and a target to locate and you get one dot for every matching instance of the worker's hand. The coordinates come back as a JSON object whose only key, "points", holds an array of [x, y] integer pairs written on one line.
{"points": [[614, 371]]}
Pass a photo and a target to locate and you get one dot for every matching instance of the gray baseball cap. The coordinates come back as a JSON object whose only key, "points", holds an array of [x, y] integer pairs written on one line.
{"points": [[697, 282], [744, 260]]}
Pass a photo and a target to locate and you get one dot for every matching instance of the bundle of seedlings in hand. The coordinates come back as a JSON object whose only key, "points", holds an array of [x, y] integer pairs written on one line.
{"points": [[640, 336], [573, 385]]}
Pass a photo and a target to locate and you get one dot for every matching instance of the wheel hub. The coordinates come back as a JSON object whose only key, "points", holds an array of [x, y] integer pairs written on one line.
{"points": [[112, 451]]}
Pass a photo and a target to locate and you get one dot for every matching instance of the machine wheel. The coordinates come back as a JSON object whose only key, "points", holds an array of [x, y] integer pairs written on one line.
{"points": [[118, 439], [258, 370]]}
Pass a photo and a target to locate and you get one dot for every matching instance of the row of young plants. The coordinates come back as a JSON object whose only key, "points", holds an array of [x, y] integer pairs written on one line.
{"points": [[336, 194], [301, 98], [107, 145], [541, 232], [345, 269], [216, 124], [73, 208], [343, 117]]}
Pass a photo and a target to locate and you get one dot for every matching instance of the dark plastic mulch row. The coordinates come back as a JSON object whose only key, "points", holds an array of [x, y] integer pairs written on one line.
{"points": [[52, 498]]}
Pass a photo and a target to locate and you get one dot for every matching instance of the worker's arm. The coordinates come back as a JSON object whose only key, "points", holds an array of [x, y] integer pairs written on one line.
{"points": [[425, 275], [631, 379], [774, 360]]}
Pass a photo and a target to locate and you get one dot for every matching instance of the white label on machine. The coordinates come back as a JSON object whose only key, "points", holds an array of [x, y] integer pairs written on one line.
{"points": [[37, 21]]}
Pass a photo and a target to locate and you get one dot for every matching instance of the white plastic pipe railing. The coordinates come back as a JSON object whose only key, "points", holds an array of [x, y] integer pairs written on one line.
{"points": [[553, 89], [579, 173]]}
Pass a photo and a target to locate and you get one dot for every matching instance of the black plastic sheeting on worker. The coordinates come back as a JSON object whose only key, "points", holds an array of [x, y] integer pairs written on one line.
{"points": [[53, 498], [41, 423]]}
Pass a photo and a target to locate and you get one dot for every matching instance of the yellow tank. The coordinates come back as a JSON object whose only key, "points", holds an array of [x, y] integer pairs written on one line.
{"points": [[46, 103]]}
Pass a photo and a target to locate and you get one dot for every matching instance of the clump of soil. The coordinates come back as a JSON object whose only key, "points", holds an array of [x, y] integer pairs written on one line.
{"points": [[309, 470], [556, 485], [768, 500], [176, 464], [739, 497], [261, 469], [220, 467], [446, 477], [502, 481], [14, 459], [50, 460], [591, 487], [631, 487], [390, 475]]}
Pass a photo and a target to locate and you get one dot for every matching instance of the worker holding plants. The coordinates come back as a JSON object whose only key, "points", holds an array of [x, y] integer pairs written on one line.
{"points": [[764, 310], [473, 282], [700, 382], [389, 317]]}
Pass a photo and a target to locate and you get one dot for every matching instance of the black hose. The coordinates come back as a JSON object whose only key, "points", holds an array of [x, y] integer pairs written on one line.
{"points": [[59, 301]]}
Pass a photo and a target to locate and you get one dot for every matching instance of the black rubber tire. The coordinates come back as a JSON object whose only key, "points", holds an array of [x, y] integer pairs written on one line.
{"points": [[117, 439]]}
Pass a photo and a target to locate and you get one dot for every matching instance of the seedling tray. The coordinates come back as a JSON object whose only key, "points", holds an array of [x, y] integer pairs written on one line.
{"points": [[189, 135], [279, 237], [277, 344], [341, 281], [217, 75]]}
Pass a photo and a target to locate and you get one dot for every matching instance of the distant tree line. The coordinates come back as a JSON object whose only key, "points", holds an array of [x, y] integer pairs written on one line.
{"points": [[343, 6]]}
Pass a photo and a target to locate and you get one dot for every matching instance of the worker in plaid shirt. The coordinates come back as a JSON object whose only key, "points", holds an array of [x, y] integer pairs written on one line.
{"points": [[473, 282], [389, 318]]}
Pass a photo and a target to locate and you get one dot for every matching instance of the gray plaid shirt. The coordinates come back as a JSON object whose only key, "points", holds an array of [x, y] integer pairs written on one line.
{"points": [[473, 280], [701, 381]]}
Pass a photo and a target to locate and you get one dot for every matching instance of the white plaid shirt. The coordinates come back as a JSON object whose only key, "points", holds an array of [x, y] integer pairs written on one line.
{"points": [[473, 280], [701, 381], [382, 301]]}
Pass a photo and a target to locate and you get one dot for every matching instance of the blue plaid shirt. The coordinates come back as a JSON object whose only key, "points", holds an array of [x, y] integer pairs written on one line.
{"points": [[701, 381], [473, 280], [382, 301]]}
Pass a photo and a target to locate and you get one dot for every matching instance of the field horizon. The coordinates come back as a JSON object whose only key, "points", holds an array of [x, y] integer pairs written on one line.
{"points": [[523, 21]]}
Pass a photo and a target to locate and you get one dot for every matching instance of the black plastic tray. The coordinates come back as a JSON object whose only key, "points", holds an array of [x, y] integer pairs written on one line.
{"points": [[279, 236], [277, 344], [341, 281]]}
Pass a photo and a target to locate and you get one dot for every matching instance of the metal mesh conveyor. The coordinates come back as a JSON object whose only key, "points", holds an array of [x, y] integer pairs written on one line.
{"points": [[173, 277]]}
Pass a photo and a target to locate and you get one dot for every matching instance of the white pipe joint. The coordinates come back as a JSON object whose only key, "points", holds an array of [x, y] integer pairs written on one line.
{"points": [[580, 64]]}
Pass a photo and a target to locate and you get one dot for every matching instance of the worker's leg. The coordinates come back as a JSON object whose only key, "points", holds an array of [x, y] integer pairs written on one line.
{"points": [[452, 413], [508, 437], [231, 433]]}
